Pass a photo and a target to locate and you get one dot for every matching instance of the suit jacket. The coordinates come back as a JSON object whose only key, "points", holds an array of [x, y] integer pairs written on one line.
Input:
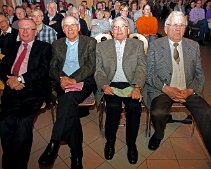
{"points": [[86, 57], [36, 77], [160, 67], [133, 63], [84, 29], [57, 26], [7, 41]]}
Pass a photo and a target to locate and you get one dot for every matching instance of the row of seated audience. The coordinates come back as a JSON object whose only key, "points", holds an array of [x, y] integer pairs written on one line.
{"points": [[76, 59]]}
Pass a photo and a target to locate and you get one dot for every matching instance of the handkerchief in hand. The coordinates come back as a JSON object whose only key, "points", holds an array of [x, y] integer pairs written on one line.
{"points": [[74, 87], [122, 92]]}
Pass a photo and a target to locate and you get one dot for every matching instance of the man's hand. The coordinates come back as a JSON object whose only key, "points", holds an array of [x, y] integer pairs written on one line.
{"points": [[187, 92], [174, 93], [20, 86], [52, 22], [12, 82], [66, 81], [196, 21], [107, 90], [136, 94]]}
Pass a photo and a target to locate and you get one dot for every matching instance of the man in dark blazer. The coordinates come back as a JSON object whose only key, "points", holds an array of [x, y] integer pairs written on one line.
{"points": [[7, 35], [73, 62], [121, 63], [175, 74], [24, 71], [54, 19]]}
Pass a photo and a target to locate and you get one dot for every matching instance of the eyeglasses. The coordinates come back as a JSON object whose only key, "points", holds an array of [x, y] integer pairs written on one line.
{"points": [[177, 25], [27, 29], [37, 16], [70, 26], [122, 27], [3, 21]]}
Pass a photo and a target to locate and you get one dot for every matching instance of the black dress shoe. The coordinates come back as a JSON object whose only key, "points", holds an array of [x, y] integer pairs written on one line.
{"points": [[154, 143], [76, 163], [132, 154], [48, 157], [109, 150]]}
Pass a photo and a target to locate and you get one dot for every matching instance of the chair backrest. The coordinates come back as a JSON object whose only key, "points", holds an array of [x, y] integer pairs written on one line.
{"points": [[142, 38], [102, 37]]}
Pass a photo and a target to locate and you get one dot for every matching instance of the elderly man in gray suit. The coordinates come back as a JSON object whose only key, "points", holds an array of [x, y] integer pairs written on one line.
{"points": [[175, 75], [73, 62], [121, 67]]}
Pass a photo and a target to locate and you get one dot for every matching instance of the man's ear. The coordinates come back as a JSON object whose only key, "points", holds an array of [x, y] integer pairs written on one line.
{"points": [[128, 31]]}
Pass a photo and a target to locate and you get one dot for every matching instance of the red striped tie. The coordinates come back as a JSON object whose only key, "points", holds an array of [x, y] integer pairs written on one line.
{"points": [[18, 63]]}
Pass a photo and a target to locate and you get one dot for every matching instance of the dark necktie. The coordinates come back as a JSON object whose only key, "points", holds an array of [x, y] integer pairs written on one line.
{"points": [[18, 63], [4, 33], [176, 53]]}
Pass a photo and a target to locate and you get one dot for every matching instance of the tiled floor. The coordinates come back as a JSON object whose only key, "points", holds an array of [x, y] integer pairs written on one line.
{"points": [[178, 150]]}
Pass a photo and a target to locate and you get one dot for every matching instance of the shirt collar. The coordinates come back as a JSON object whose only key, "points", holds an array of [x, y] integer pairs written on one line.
{"points": [[30, 43], [9, 30], [118, 43], [71, 43], [171, 42]]}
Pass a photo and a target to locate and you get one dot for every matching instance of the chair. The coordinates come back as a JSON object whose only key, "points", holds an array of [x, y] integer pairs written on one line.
{"points": [[89, 101], [176, 107], [193, 31], [142, 38], [103, 37]]}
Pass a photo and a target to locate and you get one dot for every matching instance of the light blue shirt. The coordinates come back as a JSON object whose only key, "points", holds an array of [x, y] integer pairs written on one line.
{"points": [[71, 63]]}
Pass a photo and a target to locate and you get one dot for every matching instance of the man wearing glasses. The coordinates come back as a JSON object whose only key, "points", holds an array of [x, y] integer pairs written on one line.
{"points": [[73, 64], [120, 76], [175, 74], [24, 71]]}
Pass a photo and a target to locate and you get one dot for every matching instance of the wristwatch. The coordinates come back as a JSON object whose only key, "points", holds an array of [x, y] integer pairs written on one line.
{"points": [[19, 79]]}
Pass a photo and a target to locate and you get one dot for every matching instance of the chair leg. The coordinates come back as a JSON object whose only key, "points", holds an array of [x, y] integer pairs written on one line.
{"points": [[148, 125]]}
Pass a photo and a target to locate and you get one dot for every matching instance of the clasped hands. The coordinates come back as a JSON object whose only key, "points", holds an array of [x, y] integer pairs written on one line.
{"points": [[176, 94], [13, 83], [135, 94], [66, 81]]}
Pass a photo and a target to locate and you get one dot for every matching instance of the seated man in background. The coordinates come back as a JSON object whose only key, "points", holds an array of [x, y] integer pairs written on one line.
{"points": [[175, 74], [24, 71], [197, 19], [44, 32], [73, 62], [7, 35], [121, 64]]}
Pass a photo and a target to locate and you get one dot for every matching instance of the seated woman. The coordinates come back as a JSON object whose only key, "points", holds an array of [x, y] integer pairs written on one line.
{"points": [[99, 25], [147, 25]]}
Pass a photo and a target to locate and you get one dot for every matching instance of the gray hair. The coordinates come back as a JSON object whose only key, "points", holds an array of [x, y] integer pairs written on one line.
{"points": [[120, 18], [175, 14], [52, 2], [70, 17], [73, 8]]}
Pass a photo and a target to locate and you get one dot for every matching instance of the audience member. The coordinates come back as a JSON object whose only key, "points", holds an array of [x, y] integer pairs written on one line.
{"points": [[73, 62], [24, 71], [147, 25], [83, 25], [116, 11], [7, 35], [87, 10], [119, 70], [83, 15], [99, 25], [139, 12], [208, 14], [175, 74], [53, 19], [44, 32], [197, 19], [124, 13], [10, 15], [180, 7]]}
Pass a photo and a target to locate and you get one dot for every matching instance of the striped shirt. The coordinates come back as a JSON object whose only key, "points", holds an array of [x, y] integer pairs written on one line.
{"points": [[47, 34]]}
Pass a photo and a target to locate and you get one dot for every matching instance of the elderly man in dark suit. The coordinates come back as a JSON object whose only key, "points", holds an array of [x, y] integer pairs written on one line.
{"points": [[73, 62], [121, 65], [7, 34], [175, 75], [54, 19], [24, 71]]}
